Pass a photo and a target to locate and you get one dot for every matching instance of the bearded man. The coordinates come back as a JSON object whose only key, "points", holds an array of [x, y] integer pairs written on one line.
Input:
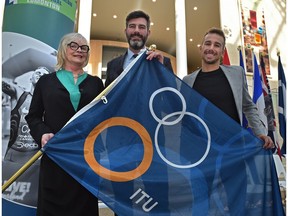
{"points": [[137, 32]]}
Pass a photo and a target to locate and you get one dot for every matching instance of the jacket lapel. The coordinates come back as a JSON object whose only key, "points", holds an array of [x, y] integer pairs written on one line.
{"points": [[235, 81]]}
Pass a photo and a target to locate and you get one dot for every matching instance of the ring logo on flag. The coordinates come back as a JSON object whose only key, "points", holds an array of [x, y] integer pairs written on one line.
{"points": [[181, 115], [146, 139], [109, 174]]}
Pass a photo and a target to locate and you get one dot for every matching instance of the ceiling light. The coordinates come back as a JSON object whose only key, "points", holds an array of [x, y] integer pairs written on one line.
{"points": [[151, 24], [190, 39], [153, 0], [167, 28], [198, 45], [195, 8], [115, 16], [94, 14]]}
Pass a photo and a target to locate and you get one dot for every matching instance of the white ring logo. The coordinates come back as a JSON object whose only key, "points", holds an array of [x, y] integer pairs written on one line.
{"points": [[151, 106], [181, 115]]}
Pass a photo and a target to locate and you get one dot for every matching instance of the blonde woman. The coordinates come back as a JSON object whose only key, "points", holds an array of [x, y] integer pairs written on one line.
{"points": [[57, 97]]}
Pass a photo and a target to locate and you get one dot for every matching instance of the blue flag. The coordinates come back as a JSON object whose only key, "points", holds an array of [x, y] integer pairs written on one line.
{"points": [[258, 96], [151, 145], [241, 62], [282, 104]]}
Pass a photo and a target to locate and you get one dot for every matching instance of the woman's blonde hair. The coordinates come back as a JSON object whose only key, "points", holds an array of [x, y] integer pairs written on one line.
{"points": [[61, 54]]}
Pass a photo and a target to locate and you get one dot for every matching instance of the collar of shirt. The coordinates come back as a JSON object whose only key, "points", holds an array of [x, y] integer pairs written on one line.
{"points": [[130, 53], [129, 57]]}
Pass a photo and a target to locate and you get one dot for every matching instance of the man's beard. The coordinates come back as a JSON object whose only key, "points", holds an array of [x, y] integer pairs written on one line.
{"points": [[136, 45], [211, 61]]}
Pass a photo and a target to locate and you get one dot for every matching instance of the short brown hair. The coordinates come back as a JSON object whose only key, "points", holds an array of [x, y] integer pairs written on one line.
{"points": [[138, 14], [217, 31]]}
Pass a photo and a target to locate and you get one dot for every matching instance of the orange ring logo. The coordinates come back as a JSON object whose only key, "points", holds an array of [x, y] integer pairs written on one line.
{"points": [[109, 174]]}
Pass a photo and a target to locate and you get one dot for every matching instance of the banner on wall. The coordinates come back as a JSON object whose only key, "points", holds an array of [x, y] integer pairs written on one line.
{"points": [[30, 36], [254, 33]]}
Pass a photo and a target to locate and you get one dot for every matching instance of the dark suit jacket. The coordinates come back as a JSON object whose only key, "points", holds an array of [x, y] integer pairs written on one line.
{"points": [[115, 68]]}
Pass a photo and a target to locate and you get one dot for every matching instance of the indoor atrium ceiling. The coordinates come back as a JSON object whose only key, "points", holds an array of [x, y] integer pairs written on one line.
{"points": [[162, 14]]}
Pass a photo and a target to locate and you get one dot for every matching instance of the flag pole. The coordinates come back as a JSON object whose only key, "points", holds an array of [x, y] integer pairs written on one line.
{"points": [[21, 170], [278, 52], [39, 153]]}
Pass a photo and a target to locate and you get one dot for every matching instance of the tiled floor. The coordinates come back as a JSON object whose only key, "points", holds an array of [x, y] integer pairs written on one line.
{"points": [[105, 212]]}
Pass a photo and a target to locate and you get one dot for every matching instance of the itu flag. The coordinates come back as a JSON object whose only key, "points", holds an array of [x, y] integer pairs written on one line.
{"points": [[258, 96], [282, 104], [153, 146]]}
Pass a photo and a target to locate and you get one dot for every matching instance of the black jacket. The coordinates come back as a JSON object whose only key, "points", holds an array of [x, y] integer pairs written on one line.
{"points": [[115, 68], [51, 101], [50, 109]]}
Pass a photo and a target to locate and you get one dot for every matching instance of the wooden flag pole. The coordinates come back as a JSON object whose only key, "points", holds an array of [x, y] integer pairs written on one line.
{"points": [[21, 170]]}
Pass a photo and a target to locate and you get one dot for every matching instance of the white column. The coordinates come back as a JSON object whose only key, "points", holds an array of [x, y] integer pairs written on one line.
{"points": [[181, 47], [84, 23], [2, 6]]}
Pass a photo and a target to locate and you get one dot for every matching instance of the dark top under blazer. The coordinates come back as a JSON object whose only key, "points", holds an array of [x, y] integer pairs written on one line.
{"points": [[59, 193], [115, 68], [237, 79]]}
